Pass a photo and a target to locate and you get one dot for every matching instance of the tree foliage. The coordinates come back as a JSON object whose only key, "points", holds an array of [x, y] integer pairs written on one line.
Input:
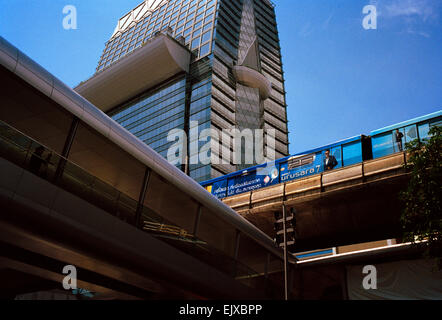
{"points": [[422, 215]]}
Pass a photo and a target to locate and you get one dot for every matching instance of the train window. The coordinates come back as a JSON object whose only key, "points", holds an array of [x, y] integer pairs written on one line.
{"points": [[425, 128], [337, 153], [436, 124], [410, 133], [352, 153], [301, 161], [423, 131]]}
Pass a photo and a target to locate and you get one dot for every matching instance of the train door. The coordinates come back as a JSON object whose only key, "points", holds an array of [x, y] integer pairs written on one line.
{"points": [[352, 153], [382, 145]]}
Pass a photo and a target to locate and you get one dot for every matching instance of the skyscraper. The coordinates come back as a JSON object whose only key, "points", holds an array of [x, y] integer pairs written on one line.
{"points": [[179, 64]]}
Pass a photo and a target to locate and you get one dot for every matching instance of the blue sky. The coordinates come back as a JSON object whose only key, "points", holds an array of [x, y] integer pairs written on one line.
{"points": [[341, 80]]}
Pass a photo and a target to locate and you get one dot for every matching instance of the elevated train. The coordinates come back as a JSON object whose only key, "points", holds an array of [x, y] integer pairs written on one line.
{"points": [[379, 143]]}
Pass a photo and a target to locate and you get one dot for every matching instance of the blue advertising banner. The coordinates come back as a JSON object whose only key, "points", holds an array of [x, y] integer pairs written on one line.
{"points": [[261, 178], [219, 189], [301, 166]]}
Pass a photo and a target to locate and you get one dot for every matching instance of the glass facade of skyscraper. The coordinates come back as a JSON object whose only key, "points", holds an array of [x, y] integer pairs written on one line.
{"points": [[192, 19], [151, 116], [226, 38]]}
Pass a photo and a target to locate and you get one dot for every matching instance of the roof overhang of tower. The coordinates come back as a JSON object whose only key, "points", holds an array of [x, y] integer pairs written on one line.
{"points": [[252, 78], [156, 61]]}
